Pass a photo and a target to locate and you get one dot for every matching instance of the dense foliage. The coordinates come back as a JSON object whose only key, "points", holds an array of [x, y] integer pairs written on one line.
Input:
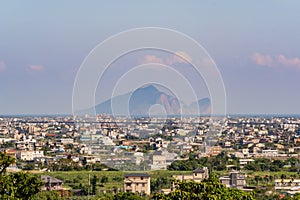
{"points": [[264, 164], [159, 183], [67, 164], [209, 188], [127, 196], [219, 163], [47, 195], [16, 186]]}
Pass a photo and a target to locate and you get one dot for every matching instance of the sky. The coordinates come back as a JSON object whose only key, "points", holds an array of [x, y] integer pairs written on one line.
{"points": [[255, 45]]}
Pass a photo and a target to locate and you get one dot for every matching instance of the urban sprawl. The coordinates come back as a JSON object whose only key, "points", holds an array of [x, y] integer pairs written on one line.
{"points": [[235, 147]]}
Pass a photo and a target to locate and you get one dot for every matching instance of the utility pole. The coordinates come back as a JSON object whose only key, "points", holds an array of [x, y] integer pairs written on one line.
{"points": [[89, 186]]}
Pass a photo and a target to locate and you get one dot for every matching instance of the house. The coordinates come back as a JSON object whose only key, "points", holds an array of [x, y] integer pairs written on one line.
{"points": [[213, 151], [158, 161], [236, 179], [51, 183], [200, 174], [287, 184], [65, 141], [137, 183], [245, 161], [197, 176], [29, 155], [270, 152], [87, 159]]}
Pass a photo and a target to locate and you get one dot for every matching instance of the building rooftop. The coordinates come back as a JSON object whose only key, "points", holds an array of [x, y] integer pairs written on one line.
{"points": [[51, 179], [198, 170], [137, 175]]}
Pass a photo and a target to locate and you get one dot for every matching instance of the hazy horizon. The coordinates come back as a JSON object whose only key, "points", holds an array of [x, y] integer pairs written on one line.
{"points": [[254, 45]]}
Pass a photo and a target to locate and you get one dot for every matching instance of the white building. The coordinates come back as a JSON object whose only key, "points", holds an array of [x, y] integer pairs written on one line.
{"points": [[30, 155]]}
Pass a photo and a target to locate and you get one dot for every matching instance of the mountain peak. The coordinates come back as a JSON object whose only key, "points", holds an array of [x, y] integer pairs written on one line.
{"points": [[148, 89], [140, 101]]}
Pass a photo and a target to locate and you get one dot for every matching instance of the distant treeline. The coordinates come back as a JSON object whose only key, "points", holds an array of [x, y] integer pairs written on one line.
{"points": [[220, 162]]}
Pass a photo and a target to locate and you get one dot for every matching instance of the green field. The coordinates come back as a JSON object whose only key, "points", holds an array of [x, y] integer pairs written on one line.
{"points": [[114, 178]]}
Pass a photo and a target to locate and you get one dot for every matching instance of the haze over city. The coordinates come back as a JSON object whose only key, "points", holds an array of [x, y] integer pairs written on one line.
{"points": [[254, 44], [161, 100]]}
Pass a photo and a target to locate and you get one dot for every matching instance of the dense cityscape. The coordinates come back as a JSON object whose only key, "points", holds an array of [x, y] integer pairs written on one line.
{"points": [[149, 100], [251, 153]]}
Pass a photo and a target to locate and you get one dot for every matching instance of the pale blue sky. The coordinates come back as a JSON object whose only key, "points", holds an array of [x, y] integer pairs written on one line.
{"points": [[255, 45]]}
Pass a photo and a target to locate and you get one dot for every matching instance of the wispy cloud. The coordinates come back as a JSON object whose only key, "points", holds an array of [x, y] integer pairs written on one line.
{"points": [[262, 60], [152, 59], [291, 62], [2, 66], [36, 68], [178, 57], [275, 61]]}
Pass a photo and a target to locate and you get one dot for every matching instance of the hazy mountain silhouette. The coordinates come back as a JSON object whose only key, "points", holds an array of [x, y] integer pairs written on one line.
{"points": [[140, 101], [143, 98], [204, 105]]}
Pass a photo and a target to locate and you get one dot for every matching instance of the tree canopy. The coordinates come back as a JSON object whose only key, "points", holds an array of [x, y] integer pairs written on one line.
{"points": [[208, 189], [5, 161], [17, 186]]}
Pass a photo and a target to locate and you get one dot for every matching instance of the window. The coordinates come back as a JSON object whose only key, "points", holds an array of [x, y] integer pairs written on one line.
{"points": [[128, 184]]}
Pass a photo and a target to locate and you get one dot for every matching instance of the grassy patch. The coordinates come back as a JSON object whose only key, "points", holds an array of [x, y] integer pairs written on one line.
{"points": [[115, 178]]}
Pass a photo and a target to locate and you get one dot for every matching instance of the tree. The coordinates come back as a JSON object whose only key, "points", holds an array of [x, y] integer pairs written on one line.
{"points": [[209, 188], [295, 197], [104, 179], [5, 161], [127, 196], [159, 183], [283, 176], [29, 166], [17, 186], [47, 195], [94, 181]]}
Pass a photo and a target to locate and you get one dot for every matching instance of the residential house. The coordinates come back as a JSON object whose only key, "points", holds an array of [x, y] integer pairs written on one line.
{"points": [[287, 184], [236, 179], [158, 161], [29, 155], [137, 183], [51, 183], [197, 176]]}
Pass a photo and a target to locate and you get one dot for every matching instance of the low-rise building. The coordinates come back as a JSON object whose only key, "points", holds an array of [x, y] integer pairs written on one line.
{"points": [[137, 183], [287, 184], [158, 161], [30, 155], [197, 176], [236, 179], [51, 183], [245, 161]]}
